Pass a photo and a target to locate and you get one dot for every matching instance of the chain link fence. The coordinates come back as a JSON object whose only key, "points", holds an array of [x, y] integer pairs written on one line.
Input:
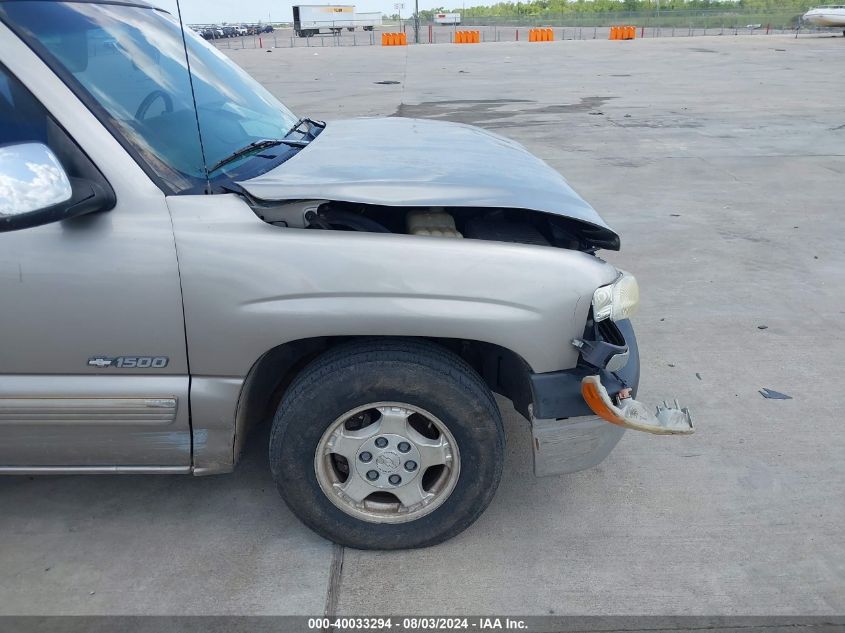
{"points": [[696, 19], [566, 26]]}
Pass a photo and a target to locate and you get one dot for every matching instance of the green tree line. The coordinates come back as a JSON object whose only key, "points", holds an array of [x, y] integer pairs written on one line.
{"points": [[587, 7]]}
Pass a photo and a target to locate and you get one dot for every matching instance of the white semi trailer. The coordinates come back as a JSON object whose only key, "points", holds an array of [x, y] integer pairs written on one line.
{"points": [[447, 18], [311, 19], [368, 21]]}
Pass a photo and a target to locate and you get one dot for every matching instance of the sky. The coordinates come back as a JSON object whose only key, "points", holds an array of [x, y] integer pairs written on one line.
{"points": [[216, 11]]}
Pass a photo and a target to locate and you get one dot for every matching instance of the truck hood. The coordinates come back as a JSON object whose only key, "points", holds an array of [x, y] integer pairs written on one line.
{"points": [[420, 163]]}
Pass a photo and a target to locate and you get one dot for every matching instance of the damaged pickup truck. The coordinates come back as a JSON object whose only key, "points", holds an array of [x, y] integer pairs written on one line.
{"points": [[182, 259]]}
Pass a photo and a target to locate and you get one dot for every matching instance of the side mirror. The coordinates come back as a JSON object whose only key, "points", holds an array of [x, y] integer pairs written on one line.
{"points": [[35, 190]]}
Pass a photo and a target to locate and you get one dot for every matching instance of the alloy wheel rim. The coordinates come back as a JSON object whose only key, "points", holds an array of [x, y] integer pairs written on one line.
{"points": [[387, 462]]}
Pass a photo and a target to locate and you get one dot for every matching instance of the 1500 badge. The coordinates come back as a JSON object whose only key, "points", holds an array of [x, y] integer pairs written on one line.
{"points": [[129, 362]]}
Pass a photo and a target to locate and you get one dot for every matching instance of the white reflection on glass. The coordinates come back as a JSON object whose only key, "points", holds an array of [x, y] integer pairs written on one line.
{"points": [[31, 178]]}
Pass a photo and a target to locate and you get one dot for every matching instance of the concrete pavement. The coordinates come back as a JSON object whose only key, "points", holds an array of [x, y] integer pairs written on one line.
{"points": [[720, 161]]}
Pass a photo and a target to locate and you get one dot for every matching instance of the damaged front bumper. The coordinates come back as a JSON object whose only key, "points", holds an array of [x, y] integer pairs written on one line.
{"points": [[632, 414], [578, 416]]}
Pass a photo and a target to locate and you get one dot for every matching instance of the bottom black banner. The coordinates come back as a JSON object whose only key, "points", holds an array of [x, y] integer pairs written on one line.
{"points": [[433, 624]]}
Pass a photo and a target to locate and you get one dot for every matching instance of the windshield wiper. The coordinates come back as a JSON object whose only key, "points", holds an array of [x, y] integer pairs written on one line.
{"points": [[255, 146], [305, 119]]}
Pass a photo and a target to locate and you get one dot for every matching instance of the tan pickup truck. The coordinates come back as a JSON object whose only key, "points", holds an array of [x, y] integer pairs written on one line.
{"points": [[182, 258]]}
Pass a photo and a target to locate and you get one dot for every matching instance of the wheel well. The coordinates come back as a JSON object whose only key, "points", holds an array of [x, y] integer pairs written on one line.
{"points": [[504, 371]]}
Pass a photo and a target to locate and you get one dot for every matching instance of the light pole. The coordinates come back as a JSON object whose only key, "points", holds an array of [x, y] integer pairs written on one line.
{"points": [[399, 6], [416, 21]]}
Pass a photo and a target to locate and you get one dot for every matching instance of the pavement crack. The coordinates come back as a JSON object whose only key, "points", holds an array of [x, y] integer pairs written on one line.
{"points": [[724, 169], [404, 81], [333, 589]]}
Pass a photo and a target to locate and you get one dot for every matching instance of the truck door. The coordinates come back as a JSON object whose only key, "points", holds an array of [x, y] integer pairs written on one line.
{"points": [[93, 364]]}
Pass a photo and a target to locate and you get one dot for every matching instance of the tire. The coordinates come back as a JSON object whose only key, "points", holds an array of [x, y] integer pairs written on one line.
{"points": [[421, 383]]}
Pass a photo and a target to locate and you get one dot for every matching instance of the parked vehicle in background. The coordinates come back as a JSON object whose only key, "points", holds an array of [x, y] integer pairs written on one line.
{"points": [[365, 284], [368, 20], [213, 31], [312, 19], [827, 15], [447, 18]]}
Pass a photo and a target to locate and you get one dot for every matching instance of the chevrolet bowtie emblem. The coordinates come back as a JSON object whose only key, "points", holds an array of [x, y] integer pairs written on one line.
{"points": [[99, 361]]}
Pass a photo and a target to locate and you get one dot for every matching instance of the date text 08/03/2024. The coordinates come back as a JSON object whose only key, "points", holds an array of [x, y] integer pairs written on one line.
{"points": [[418, 623]]}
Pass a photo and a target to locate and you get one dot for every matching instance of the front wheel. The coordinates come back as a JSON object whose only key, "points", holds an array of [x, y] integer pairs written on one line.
{"points": [[387, 444]]}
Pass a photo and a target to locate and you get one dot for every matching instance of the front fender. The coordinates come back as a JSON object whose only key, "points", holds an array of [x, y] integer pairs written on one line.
{"points": [[249, 286]]}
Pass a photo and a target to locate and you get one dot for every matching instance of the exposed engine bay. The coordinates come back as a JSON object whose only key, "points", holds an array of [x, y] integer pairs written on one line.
{"points": [[519, 226]]}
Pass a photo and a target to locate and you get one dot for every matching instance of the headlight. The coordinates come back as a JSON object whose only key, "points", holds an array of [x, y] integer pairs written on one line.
{"points": [[617, 301]]}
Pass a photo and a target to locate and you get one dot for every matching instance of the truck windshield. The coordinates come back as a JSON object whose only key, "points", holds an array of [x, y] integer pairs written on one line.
{"points": [[127, 63]]}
